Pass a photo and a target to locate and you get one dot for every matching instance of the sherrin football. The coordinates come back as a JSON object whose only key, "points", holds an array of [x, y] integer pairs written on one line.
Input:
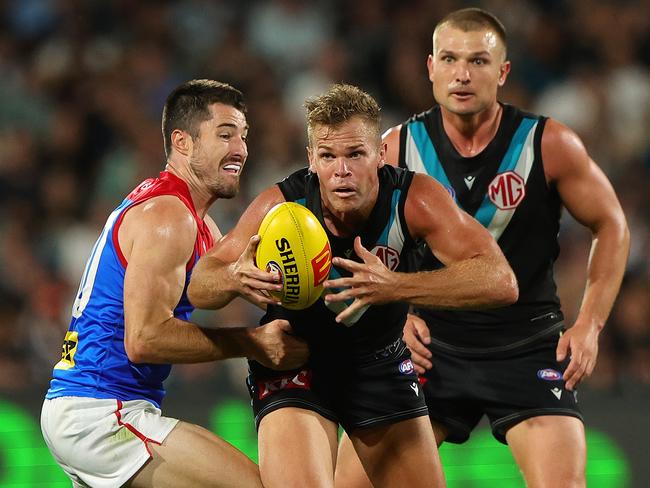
{"points": [[294, 244]]}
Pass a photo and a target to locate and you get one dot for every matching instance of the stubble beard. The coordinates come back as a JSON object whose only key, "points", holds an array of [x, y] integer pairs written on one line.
{"points": [[218, 186]]}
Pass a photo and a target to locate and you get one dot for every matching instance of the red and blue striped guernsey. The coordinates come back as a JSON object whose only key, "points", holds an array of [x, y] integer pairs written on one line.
{"points": [[94, 362]]}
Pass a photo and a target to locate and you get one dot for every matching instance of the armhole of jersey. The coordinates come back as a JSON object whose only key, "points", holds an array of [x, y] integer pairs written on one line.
{"points": [[192, 260], [114, 237], [406, 185], [118, 223], [283, 188], [537, 147], [401, 162]]}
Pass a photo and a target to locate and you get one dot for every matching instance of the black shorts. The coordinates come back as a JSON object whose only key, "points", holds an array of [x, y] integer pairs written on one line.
{"points": [[508, 388], [355, 391]]}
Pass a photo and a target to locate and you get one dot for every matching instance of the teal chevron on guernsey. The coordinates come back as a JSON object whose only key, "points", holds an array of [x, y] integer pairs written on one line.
{"points": [[518, 159], [421, 154]]}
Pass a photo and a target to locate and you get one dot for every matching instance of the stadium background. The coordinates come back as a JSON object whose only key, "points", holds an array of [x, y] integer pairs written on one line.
{"points": [[82, 85]]}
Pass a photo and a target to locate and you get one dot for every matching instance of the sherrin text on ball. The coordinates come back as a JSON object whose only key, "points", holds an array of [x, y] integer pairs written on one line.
{"points": [[294, 244]]}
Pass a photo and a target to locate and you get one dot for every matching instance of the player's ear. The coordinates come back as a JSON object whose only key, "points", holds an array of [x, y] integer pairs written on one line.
{"points": [[181, 142], [383, 147], [311, 155], [430, 67], [504, 69]]}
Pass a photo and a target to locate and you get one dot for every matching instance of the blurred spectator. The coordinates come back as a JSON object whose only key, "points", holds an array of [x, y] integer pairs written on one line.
{"points": [[83, 82]]}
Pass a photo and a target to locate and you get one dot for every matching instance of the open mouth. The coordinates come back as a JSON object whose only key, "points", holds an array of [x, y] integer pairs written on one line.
{"points": [[232, 168], [344, 192]]}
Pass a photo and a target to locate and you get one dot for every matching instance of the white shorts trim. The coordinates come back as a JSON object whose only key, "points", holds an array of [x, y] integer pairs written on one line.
{"points": [[102, 443]]}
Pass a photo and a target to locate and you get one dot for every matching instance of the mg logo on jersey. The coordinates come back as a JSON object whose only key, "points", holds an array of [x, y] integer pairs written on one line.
{"points": [[388, 256], [301, 380], [507, 190]]}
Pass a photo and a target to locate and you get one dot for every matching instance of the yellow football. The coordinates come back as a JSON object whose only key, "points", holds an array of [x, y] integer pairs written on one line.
{"points": [[294, 244]]}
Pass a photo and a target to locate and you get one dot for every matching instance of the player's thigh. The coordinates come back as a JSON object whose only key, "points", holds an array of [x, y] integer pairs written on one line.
{"points": [[192, 456], [297, 448], [399, 454], [349, 470], [550, 450]]}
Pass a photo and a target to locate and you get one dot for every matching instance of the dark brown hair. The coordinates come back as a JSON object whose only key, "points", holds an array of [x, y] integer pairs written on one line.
{"points": [[187, 106]]}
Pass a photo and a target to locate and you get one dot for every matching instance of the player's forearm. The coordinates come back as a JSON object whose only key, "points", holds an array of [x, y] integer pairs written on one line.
{"points": [[480, 282], [211, 285], [607, 258], [177, 341]]}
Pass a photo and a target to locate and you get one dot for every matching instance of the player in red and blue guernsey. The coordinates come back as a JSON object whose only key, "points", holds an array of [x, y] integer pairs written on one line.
{"points": [[101, 417]]}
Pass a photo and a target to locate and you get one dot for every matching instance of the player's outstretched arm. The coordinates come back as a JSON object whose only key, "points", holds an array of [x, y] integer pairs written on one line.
{"points": [[228, 270], [157, 239], [476, 275], [588, 195]]}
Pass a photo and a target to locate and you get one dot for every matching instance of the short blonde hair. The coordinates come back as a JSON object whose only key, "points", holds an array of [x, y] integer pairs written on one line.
{"points": [[338, 105]]}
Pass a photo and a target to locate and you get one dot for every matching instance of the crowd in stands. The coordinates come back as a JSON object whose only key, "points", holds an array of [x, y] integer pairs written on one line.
{"points": [[83, 83]]}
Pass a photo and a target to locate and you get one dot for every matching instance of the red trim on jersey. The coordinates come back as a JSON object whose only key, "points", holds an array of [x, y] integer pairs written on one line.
{"points": [[166, 184], [116, 241], [133, 430]]}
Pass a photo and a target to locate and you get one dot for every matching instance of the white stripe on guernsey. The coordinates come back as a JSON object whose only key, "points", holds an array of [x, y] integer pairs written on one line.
{"points": [[412, 156], [338, 307], [501, 218], [90, 273]]}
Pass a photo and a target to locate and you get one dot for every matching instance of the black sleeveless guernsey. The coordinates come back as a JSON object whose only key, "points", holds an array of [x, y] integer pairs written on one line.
{"points": [[505, 189], [386, 235]]}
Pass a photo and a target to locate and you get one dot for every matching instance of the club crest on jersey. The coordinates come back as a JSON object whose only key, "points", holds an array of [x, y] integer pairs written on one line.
{"points": [[549, 374], [388, 256], [406, 366], [507, 190]]}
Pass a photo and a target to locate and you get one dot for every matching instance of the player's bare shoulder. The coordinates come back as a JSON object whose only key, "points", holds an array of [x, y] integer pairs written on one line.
{"points": [[563, 152], [160, 221], [427, 201]]}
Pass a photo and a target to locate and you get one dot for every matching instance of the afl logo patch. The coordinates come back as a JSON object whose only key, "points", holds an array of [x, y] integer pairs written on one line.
{"points": [[507, 190], [406, 366], [549, 374]]}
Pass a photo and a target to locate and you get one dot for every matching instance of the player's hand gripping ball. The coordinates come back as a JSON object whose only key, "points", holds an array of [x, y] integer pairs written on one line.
{"points": [[294, 244]]}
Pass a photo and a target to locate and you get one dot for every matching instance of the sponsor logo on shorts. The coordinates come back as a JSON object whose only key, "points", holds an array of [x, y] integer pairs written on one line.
{"points": [[416, 390], [549, 374], [557, 392], [406, 366], [302, 380]]}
